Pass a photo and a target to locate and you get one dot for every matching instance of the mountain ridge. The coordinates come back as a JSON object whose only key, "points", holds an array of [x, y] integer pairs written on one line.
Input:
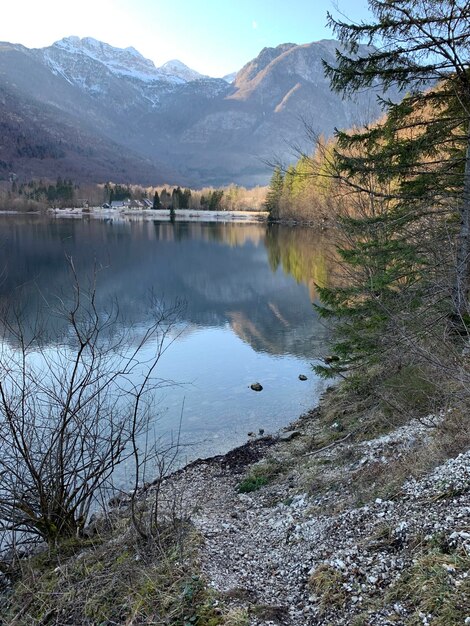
{"points": [[121, 61], [200, 130]]}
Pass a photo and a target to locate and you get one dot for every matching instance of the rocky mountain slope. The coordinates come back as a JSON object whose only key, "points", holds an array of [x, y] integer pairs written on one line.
{"points": [[113, 114]]}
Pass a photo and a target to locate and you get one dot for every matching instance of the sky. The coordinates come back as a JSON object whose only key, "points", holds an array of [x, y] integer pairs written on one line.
{"points": [[214, 37]]}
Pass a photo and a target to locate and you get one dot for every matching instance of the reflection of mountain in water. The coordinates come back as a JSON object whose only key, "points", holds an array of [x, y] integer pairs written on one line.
{"points": [[223, 272]]}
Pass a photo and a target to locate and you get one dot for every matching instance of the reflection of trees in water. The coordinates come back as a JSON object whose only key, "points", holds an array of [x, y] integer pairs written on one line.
{"points": [[285, 323], [232, 234], [303, 253], [220, 270]]}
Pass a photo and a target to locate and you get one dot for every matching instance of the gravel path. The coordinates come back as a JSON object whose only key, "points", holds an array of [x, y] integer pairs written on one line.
{"points": [[288, 558]]}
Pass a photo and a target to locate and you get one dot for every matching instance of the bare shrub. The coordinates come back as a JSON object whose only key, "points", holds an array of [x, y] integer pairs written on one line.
{"points": [[72, 413]]}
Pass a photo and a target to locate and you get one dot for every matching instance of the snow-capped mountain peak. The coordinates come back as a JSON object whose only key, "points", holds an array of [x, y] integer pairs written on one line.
{"points": [[120, 62], [177, 68], [128, 62]]}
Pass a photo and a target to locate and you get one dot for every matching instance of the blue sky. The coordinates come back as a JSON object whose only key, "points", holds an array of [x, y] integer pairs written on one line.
{"points": [[214, 37]]}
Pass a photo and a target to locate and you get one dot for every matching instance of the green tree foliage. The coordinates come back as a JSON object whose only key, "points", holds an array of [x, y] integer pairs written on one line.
{"points": [[273, 198], [386, 275], [181, 199], [301, 174], [61, 193], [405, 174], [119, 192], [307, 189], [165, 199], [175, 198], [215, 198], [185, 200], [426, 139], [289, 181], [156, 201]]}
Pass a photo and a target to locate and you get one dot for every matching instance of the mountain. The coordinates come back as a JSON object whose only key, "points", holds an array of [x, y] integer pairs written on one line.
{"points": [[229, 78], [98, 112], [177, 69], [40, 139], [72, 56]]}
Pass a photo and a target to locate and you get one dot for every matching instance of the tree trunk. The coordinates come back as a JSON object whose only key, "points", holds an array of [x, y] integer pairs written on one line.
{"points": [[461, 286]]}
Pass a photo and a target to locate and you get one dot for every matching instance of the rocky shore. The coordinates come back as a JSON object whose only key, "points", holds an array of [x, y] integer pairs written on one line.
{"points": [[313, 543], [337, 520]]}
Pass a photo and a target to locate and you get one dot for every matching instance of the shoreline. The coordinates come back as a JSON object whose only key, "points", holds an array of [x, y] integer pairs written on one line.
{"points": [[334, 523], [181, 215], [318, 541], [186, 215]]}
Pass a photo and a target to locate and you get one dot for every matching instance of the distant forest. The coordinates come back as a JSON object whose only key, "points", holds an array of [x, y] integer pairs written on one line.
{"points": [[39, 195]]}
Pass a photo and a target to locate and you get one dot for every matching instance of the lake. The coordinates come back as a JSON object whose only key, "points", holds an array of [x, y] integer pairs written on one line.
{"points": [[248, 317]]}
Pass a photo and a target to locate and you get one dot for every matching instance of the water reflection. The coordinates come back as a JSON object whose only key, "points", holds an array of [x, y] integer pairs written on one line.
{"points": [[219, 269], [243, 284], [300, 252]]}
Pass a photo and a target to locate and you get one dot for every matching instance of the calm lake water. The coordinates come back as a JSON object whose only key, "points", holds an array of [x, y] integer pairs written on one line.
{"points": [[248, 317]]}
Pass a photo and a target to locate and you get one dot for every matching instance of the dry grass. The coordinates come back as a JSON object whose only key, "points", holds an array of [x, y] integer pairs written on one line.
{"points": [[327, 583], [261, 474], [353, 414], [437, 586], [113, 578]]}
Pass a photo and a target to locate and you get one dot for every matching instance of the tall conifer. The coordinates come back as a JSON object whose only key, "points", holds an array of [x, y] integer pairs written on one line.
{"points": [[422, 46]]}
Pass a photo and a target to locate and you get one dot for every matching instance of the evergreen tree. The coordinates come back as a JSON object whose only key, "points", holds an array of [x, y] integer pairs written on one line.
{"points": [[385, 277], [175, 198], [107, 192], [156, 201], [215, 198], [185, 199], [273, 197], [120, 192], [425, 143], [404, 173], [165, 199]]}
